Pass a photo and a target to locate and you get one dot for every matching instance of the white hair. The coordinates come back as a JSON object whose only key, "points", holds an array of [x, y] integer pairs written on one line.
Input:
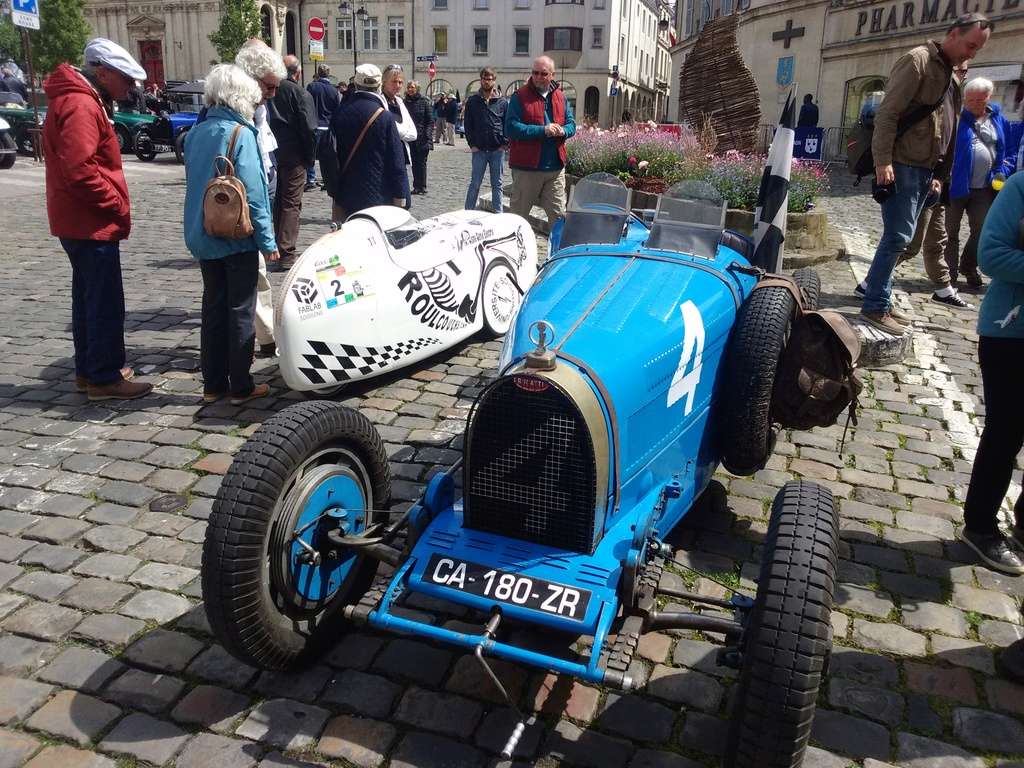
{"points": [[979, 85], [228, 86], [258, 60]]}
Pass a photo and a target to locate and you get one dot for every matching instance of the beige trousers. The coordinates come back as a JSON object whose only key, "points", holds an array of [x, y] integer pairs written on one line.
{"points": [[543, 188], [264, 306], [930, 236]]}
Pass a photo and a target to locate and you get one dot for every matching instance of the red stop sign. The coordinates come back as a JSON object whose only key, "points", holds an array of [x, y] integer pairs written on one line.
{"points": [[432, 70], [316, 29]]}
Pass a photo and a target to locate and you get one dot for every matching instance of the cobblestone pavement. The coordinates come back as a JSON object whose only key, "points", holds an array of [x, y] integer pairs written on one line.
{"points": [[107, 659]]}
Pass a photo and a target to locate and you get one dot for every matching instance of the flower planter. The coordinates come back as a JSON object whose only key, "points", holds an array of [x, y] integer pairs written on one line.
{"points": [[804, 231]]}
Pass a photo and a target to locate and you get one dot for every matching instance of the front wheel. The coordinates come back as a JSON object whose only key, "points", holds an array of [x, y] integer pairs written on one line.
{"points": [[124, 138], [788, 636], [179, 147], [501, 297], [273, 585], [145, 150], [7, 142]]}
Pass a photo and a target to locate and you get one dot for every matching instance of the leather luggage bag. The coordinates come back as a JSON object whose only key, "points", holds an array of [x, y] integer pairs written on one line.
{"points": [[225, 203]]}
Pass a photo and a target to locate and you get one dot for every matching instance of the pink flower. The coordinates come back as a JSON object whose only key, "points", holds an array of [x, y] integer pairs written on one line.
{"points": [[632, 160]]}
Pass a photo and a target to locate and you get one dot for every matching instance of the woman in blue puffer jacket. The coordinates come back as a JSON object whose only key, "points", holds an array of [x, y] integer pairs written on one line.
{"points": [[1001, 355]]}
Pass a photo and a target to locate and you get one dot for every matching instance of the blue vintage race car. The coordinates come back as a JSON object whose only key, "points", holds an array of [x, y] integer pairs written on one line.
{"points": [[640, 359]]}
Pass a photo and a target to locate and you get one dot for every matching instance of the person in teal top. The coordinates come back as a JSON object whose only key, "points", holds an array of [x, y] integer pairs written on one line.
{"points": [[1001, 355], [229, 267]]}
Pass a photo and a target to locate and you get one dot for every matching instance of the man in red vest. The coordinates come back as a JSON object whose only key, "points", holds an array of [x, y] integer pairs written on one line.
{"points": [[537, 123]]}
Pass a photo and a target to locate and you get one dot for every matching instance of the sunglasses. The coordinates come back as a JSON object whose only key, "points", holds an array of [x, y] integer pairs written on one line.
{"points": [[393, 68]]}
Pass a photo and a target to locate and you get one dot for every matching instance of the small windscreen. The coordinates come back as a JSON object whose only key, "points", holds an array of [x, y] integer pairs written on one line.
{"points": [[598, 210], [690, 219]]}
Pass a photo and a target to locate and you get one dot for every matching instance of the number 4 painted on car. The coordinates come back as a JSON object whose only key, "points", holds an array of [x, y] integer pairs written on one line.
{"points": [[685, 384]]}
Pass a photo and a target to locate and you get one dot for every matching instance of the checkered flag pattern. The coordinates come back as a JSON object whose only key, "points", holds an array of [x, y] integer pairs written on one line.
{"points": [[331, 363]]}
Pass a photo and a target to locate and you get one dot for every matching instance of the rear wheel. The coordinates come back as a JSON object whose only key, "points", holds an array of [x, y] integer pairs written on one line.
{"points": [[124, 138], [752, 360], [144, 147], [788, 637], [179, 147], [501, 297], [810, 283], [312, 468], [7, 142]]}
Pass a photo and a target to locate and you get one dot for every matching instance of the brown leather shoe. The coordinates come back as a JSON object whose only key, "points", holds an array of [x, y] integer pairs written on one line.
{"points": [[260, 390], [119, 390], [83, 383], [883, 323]]}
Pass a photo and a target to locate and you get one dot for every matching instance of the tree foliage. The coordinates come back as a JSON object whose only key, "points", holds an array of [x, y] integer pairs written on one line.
{"points": [[10, 40], [239, 21], [61, 36]]}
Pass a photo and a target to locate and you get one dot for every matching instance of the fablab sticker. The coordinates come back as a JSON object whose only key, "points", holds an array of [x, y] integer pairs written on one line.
{"points": [[308, 298]]}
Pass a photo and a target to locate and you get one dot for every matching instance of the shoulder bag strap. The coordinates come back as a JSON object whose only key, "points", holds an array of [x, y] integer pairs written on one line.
{"points": [[355, 147], [229, 165], [916, 116], [782, 281]]}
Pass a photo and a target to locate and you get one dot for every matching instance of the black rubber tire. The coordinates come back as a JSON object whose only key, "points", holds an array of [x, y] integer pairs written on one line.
{"points": [[7, 142], [144, 146], [23, 139], [751, 361], [179, 147], [124, 138], [810, 284], [789, 632], [237, 591]]}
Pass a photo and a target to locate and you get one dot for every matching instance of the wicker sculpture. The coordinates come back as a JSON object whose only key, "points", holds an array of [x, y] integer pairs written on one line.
{"points": [[715, 86]]}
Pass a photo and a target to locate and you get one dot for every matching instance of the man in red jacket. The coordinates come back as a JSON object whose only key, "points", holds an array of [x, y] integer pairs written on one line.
{"points": [[87, 203]]}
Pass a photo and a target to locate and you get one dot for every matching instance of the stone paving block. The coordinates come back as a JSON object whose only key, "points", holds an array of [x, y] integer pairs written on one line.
{"points": [[16, 748], [469, 679], [163, 651], [11, 549], [154, 605], [913, 751], [289, 725], [109, 629], [636, 719], [1000, 582], [96, 594], [20, 699], [925, 523], [43, 585], [172, 480], [999, 633], [650, 758], [654, 646], [867, 701], [443, 713], [69, 757], [217, 665], [211, 707], [10, 603], [988, 731], [868, 668], [889, 638], [129, 494], [213, 463], [303, 685], [562, 695], [422, 750], [195, 621], [361, 742], [956, 683], [52, 557], [112, 514], [74, 716], [113, 538], [43, 621], [147, 691], [132, 471], [815, 757], [22, 654], [163, 576], [146, 738], [935, 617], [704, 733], [984, 601], [82, 669], [57, 530], [850, 735], [862, 600], [207, 750], [13, 523], [1005, 695], [414, 661], [962, 652], [687, 687], [364, 694], [910, 586], [163, 550], [494, 732]]}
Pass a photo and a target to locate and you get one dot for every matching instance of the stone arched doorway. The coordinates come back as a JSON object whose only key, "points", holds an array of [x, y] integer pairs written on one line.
{"points": [[267, 25], [857, 91], [591, 103], [439, 86], [514, 86], [291, 39]]}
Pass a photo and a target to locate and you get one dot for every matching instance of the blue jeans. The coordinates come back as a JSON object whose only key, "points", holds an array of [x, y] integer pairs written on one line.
{"points": [[899, 219], [97, 309], [483, 159], [227, 336]]}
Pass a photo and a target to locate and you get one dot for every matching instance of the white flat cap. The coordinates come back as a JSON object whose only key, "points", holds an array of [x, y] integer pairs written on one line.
{"points": [[368, 76], [99, 50]]}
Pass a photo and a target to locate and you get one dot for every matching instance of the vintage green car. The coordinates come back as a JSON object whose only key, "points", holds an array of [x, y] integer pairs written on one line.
{"points": [[127, 126], [21, 121]]}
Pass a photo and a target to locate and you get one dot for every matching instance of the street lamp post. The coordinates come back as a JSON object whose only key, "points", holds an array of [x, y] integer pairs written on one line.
{"points": [[346, 7]]}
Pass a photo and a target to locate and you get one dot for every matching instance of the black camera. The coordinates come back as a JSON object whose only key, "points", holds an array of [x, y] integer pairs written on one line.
{"points": [[882, 192]]}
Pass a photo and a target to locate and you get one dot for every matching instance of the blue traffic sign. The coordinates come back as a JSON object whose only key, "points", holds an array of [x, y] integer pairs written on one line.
{"points": [[25, 13], [431, 57]]}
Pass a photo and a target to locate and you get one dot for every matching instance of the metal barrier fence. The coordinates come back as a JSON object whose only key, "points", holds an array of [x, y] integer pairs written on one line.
{"points": [[833, 148]]}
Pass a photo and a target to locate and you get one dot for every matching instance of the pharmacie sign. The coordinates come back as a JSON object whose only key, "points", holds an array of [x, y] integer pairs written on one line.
{"points": [[912, 15]]}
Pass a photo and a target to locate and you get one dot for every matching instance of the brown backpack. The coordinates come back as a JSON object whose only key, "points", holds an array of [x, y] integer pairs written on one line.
{"points": [[817, 376], [225, 203]]}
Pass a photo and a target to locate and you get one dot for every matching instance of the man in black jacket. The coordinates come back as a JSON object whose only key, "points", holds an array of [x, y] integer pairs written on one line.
{"points": [[808, 113], [484, 123], [293, 121], [326, 99], [422, 114]]}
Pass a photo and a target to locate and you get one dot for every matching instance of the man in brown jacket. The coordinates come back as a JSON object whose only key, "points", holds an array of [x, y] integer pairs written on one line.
{"points": [[912, 148]]}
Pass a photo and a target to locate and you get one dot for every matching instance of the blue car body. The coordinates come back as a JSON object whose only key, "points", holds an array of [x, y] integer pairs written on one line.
{"points": [[640, 331]]}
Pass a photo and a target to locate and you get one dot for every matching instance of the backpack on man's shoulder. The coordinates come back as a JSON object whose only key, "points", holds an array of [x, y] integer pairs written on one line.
{"points": [[817, 379], [225, 202]]}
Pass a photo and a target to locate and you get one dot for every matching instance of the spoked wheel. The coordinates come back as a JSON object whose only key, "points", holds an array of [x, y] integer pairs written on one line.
{"points": [[273, 585], [124, 138], [501, 298], [179, 147], [788, 636], [145, 150]]}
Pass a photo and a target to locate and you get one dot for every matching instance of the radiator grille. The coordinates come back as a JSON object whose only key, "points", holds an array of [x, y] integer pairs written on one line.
{"points": [[530, 466]]}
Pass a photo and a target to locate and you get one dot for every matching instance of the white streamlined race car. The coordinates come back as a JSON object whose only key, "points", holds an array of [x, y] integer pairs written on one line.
{"points": [[386, 290]]}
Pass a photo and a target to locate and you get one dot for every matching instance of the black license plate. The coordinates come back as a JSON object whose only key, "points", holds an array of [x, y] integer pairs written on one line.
{"points": [[504, 587]]}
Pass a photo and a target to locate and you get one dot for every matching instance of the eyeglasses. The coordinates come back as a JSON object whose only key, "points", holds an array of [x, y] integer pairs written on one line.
{"points": [[393, 68], [971, 19], [492, 77]]}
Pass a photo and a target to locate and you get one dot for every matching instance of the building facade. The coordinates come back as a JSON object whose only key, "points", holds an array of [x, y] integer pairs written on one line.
{"points": [[841, 50]]}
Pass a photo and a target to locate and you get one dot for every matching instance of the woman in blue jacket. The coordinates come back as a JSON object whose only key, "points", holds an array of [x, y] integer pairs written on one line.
{"points": [[1001, 354], [979, 154], [229, 267]]}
